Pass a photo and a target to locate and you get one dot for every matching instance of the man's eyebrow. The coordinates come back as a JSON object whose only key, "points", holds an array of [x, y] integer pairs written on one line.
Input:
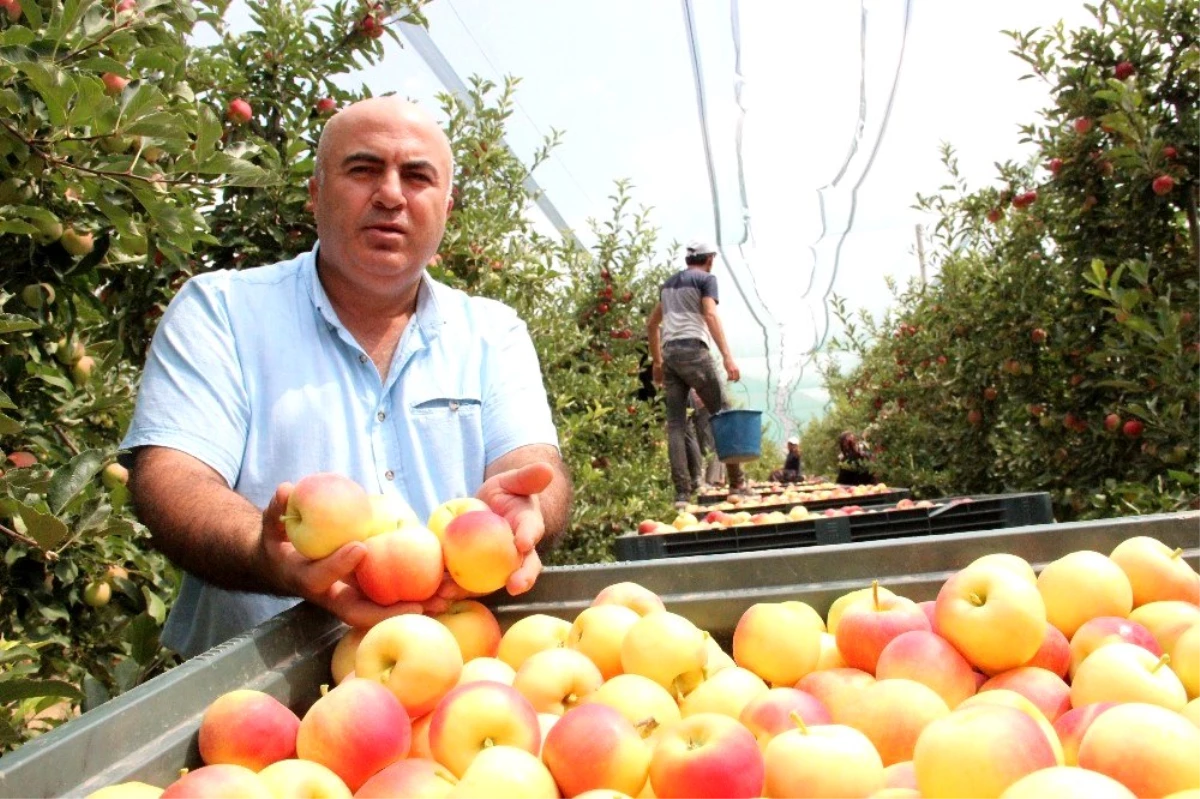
{"points": [[372, 158]]}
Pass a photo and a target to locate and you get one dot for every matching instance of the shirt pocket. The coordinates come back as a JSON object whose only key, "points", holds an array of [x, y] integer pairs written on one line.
{"points": [[449, 433]]}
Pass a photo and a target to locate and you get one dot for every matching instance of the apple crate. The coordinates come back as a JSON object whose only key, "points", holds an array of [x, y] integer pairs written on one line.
{"points": [[958, 514], [150, 733], [768, 503]]}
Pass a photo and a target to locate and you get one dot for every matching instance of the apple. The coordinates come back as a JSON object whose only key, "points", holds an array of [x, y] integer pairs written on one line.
{"points": [[593, 746], [414, 656], [1073, 725], [830, 656], [770, 714], [1095, 633], [1013, 563], [505, 771], [556, 680], [836, 689], [1191, 712], [1163, 185], [892, 714], [77, 243], [1054, 654], [389, 513], [668, 649], [845, 600], [1008, 698], [1082, 125], [479, 716], [326, 511], [22, 460], [404, 565], [219, 781], [12, 8], [598, 632], [480, 550], [326, 106], [979, 751], [123, 790], [647, 526], [82, 370], [113, 83], [643, 702], [718, 660], [778, 641], [474, 627], [357, 729], [929, 659], [451, 508], [867, 627], [1166, 620], [1067, 782], [1045, 689], [1156, 572], [493, 669], [901, 775], [113, 475], [827, 760], [342, 664], [706, 755], [420, 738], [994, 618], [1185, 660], [247, 728], [1148, 749], [1083, 585], [97, 593], [294, 777], [727, 692], [1123, 672], [1133, 428], [239, 111], [530, 634], [416, 778]]}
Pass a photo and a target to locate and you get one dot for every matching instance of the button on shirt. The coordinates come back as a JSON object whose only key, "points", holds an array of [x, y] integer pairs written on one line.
{"points": [[252, 373]]}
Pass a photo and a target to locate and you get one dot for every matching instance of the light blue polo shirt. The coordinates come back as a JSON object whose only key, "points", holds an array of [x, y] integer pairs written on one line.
{"points": [[252, 373]]}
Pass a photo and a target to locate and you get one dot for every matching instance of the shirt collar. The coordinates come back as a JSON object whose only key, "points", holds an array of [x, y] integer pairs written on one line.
{"points": [[429, 317]]}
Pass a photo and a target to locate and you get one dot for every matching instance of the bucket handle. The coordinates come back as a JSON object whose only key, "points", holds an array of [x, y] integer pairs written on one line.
{"points": [[745, 395]]}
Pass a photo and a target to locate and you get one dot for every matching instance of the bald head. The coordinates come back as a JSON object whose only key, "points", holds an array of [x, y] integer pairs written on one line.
{"points": [[374, 111]]}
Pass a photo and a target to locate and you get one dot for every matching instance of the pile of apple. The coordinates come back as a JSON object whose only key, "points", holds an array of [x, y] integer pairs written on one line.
{"points": [[793, 495], [771, 487], [717, 519], [405, 560], [1080, 681]]}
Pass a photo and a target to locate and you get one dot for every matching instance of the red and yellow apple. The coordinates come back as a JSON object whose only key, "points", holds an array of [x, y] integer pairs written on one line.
{"points": [[1166, 620], [474, 627], [892, 714], [828, 760], [480, 551], [839, 606], [1072, 725], [931, 660], [390, 512], [593, 746], [637, 598], [771, 714], [451, 508], [416, 657], [479, 716], [836, 689], [326, 511], [1156, 572], [218, 781], [404, 565], [247, 728], [1095, 633], [1045, 689], [1148, 749], [415, 778], [994, 618], [1054, 654], [867, 626], [706, 755]]}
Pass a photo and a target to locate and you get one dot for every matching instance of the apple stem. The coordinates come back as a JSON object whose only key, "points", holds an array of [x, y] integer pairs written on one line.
{"points": [[647, 726], [798, 720], [183, 772], [975, 599], [875, 593], [324, 688], [488, 743], [1165, 660], [1178, 551]]}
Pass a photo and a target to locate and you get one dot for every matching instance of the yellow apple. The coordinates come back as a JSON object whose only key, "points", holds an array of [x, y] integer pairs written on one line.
{"points": [[414, 656], [727, 692], [1083, 585], [827, 760], [479, 669], [451, 508], [637, 598], [556, 680], [480, 716], [286, 779], [505, 772], [598, 632], [324, 512], [777, 641], [530, 634], [1156, 572], [474, 627], [643, 702], [994, 618], [1127, 673], [668, 649]]}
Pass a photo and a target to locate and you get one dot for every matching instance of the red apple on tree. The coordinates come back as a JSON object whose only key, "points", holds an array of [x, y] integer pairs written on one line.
{"points": [[1082, 125], [239, 111], [326, 105], [113, 83], [1132, 429], [1123, 70], [1163, 185]]}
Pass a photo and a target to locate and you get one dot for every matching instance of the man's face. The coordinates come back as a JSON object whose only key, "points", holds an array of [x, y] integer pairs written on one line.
{"points": [[384, 195]]}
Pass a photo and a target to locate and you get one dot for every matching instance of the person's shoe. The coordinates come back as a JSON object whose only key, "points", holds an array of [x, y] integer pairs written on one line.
{"points": [[682, 501]]}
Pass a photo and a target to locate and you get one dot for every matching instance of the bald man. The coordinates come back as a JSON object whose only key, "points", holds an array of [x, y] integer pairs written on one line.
{"points": [[349, 359]]}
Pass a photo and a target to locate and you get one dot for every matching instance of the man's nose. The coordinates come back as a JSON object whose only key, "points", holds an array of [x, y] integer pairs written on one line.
{"points": [[389, 192]]}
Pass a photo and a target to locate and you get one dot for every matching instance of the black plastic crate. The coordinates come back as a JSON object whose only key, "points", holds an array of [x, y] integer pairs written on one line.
{"points": [[952, 515]]}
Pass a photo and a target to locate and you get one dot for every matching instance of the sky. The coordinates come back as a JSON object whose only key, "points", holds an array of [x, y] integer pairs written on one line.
{"points": [[842, 105]]}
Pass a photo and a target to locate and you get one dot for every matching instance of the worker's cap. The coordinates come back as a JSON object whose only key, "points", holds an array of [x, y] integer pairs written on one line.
{"points": [[700, 247], [794, 440]]}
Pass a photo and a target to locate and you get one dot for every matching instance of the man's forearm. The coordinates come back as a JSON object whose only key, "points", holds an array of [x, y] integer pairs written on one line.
{"points": [[197, 521], [555, 503], [655, 343], [718, 335]]}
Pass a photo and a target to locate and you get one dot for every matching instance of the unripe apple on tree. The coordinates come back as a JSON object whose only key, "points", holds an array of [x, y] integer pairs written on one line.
{"points": [[76, 243], [81, 372], [35, 295], [114, 474]]}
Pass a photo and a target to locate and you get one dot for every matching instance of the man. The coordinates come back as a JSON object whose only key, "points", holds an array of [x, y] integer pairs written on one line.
{"points": [[687, 316], [793, 469], [347, 359]]}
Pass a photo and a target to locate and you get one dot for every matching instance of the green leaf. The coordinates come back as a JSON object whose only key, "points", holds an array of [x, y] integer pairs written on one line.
{"points": [[48, 531], [55, 87], [17, 690], [9, 426], [162, 125], [142, 635], [18, 652], [154, 605], [72, 478], [13, 323], [88, 101], [1099, 272], [241, 173]]}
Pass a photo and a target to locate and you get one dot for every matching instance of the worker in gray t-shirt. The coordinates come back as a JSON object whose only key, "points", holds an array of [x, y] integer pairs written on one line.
{"points": [[686, 316]]}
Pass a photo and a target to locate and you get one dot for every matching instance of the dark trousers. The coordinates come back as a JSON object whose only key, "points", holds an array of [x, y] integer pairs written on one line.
{"points": [[688, 365]]}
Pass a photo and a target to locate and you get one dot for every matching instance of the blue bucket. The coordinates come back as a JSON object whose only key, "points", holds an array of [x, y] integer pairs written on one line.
{"points": [[738, 435]]}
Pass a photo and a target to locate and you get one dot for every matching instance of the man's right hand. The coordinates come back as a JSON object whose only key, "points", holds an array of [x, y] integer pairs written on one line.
{"points": [[731, 369], [656, 373], [328, 582]]}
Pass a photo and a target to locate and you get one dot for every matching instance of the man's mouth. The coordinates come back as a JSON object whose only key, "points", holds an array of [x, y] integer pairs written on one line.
{"points": [[387, 228]]}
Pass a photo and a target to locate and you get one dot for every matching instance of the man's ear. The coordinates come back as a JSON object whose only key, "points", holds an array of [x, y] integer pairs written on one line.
{"points": [[312, 190]]}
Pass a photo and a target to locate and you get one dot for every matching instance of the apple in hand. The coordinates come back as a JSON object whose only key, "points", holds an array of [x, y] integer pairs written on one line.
{"points": [[414, 656], [356, 730], [706, 755], [477, 716], [593, 746], [451, 508], [1156, 572], [390, 512], [994, 618], [480, 551], [248, 728], [474, 627], [404, 565], [324, 512], [868, 626]]}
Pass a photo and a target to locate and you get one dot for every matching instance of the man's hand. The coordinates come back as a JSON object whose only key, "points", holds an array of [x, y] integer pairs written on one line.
{"points": [[513, 495], [328, 582], [731, 369], [656, 373]]}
